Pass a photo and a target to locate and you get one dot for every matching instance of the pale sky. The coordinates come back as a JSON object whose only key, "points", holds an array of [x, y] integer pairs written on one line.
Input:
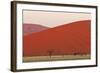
{"points": [[53, 19]]}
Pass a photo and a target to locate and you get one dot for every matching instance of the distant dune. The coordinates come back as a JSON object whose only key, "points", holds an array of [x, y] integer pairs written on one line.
{"points": [[67, 39], [32, 28]]}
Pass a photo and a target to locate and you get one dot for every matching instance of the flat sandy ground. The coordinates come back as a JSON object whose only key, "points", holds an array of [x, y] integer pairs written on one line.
{"points": [[55, 58]]}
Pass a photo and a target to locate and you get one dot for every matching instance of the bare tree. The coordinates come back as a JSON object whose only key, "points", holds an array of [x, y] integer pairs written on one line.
{"points": [[50, 52]]}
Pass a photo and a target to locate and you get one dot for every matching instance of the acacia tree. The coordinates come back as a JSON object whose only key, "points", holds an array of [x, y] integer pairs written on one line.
{"points": [[50, 52]]}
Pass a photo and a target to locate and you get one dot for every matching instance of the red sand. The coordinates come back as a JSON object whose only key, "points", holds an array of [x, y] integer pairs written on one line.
{"points": [[73, 38]]}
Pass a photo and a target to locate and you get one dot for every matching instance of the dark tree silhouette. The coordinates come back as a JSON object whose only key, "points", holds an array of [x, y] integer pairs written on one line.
{"points": [[50, 52]]}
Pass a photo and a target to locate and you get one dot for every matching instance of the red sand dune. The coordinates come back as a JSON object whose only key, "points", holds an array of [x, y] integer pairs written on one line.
{"points": [[72, 38], [32, 28]]}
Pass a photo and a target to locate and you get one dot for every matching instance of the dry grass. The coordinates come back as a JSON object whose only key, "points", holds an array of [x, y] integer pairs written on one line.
{"points": [[55, 58]]}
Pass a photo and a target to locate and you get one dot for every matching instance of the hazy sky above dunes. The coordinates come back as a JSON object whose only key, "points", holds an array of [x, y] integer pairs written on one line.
{"points": [[53, 19]]}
